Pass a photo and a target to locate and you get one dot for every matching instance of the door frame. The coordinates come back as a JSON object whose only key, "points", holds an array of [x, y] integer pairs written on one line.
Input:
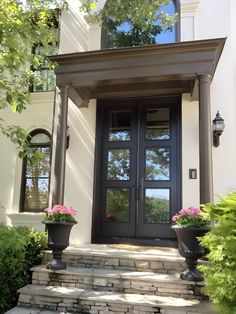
{"points": [[96, 217]]}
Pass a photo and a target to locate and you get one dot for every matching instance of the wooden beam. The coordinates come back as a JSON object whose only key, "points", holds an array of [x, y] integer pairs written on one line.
{"points": [[78, 100]]}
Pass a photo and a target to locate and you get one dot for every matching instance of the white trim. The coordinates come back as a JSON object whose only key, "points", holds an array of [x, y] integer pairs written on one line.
{"points": [[189, 6]]}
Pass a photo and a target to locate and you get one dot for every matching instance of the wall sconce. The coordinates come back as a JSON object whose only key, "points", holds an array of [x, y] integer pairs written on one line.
{"points": [[67, 137], [218, 128]]}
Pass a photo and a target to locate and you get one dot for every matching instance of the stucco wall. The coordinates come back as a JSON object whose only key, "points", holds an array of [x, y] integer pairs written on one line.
{"points": [[37, 115], [80, 168], [221, 22]]}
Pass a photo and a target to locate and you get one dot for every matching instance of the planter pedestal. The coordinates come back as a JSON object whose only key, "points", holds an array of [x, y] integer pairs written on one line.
{"points": [[190, 248], [58, 240]]}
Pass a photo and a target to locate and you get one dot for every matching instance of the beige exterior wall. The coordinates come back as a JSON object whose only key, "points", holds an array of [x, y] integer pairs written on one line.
{"points": [[80, 168], [190, 151], [38, 115]]}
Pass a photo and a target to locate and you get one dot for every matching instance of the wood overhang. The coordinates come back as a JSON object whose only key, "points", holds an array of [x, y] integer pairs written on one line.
{"points": [[137, 71]]}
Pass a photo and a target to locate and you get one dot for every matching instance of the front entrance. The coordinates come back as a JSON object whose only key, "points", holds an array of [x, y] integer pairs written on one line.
{"points": [[138, 167]]}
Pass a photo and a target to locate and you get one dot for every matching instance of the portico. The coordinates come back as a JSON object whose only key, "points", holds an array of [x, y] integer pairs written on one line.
{"points": [[159, 70]]}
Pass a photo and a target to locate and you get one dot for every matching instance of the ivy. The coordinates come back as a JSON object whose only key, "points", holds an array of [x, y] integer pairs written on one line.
{"points": [[220, 273]]}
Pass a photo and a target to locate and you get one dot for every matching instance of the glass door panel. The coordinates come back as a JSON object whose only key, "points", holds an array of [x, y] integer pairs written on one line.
{"points": [[118, 165], [158, 124], [118, 169], [157, 205], [119, 126], [157, 163], [157, 166], [117, 205]]}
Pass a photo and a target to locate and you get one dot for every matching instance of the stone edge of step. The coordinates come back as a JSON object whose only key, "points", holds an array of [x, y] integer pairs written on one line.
{"points": [[114, 297], [119, 274]]}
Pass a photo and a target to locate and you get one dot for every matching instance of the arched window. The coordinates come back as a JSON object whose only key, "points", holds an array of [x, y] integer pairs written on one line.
{"points": [[124, 32], [36, 172]]}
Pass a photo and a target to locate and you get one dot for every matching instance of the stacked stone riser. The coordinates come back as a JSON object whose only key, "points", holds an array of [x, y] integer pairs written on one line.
{"points": [[89, 307], [67, 300], [162, 265], [151, 284]]}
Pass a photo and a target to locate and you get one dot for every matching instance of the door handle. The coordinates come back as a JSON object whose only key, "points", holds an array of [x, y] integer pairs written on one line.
{"points": [[141, 190]]}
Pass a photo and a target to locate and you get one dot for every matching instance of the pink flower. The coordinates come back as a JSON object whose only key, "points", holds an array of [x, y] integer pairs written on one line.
{"points": [[60, 209], [175, 217]]}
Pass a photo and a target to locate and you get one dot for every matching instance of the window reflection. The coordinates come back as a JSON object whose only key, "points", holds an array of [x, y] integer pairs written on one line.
{"points": [[119, 126], [117, 204], [157, 164], [157, 205], [158, 124], [127, 31], [36, 172], [118, 164]]}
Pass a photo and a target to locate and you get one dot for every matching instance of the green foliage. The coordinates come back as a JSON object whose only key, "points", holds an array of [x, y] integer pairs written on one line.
{"points": [[23, 25], [140, 15], [192, 221], [220, 274], [156, 210], [191, 217], [20, 249], [59, 217]]}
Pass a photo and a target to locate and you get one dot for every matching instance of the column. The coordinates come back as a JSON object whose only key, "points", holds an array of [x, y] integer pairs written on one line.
{"points": [[205, 140], [59, 145]]}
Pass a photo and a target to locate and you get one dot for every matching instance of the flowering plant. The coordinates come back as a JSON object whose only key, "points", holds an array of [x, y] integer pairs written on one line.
{"points": [[60, 213], [191, 217]]}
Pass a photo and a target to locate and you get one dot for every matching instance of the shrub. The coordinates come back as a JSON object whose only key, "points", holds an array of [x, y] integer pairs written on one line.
{"points": [[220, 273], [20, 249]]}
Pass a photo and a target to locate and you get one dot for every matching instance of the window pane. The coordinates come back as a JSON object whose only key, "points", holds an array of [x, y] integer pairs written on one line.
{"points": [[40, 138], [128, 31], [157, 205], [37, 173], [44, 80], [36, 193], [157, 164], [118, 167], [158, 124], [39, 167], [117, 205], [119, 126]]}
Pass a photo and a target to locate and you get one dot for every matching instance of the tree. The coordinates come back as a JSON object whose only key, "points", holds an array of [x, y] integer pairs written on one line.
{"points": [[132, 23], [24, 24]]}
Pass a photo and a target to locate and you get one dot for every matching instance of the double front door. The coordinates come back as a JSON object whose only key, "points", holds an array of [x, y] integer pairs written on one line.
{"points": [[138, 184]]}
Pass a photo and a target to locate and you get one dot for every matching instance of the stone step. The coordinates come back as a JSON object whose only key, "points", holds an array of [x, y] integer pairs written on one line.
{"points": [[118, 281], [153, 259], [104, 302]]}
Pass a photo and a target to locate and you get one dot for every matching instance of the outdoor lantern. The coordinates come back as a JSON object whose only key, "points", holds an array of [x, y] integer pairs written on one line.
{"points": [[218, 126]]}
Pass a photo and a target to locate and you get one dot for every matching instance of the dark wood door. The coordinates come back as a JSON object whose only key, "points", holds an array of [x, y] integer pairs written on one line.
{"points": [[139, 175]]}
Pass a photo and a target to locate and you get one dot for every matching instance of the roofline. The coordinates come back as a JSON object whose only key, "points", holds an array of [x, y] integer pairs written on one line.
{"points": [[141, 50]]}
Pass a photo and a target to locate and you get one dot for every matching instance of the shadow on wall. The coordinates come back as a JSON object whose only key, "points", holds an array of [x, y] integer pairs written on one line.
{"points": [[74, 30], [80, 167]]}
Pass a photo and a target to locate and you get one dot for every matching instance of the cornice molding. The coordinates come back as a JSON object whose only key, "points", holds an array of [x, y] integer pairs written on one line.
{"points": [[189, 5]]}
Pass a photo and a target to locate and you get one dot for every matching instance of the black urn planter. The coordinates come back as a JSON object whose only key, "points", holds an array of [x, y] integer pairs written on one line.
{"points": [[58, 240], [190, 248]]}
